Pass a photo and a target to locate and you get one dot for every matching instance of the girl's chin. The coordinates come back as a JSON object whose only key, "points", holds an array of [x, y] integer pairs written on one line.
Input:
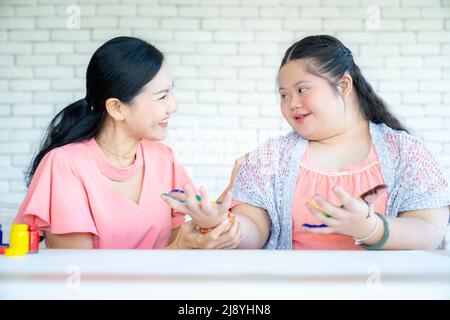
{"points": [[302, 131]]}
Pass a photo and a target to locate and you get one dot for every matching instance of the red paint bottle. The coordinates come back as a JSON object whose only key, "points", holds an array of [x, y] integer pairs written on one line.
{"points": [[34, 239]]}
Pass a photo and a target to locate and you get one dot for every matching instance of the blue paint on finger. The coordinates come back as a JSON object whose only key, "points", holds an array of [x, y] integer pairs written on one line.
{"points": [[313, 226]]}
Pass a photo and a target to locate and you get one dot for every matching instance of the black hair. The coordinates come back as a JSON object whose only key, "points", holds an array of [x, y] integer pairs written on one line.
{"points": [[120, 68], [328, 58]]}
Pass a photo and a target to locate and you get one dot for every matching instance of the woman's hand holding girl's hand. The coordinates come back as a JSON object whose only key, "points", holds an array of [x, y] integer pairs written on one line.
{"points": [[224, 236], [354, 218]]}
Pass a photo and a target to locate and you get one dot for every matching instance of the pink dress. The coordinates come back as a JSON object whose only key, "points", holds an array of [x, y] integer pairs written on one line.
{"points": [[69, 193], [355, 179]]}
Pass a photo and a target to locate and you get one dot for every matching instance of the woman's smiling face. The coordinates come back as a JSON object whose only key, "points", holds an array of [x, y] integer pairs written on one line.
{"points": [[149, 112], [309, 103]]}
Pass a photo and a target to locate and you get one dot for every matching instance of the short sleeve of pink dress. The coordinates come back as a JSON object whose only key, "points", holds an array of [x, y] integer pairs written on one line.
{"points": [[56, 200], [69, 193]]}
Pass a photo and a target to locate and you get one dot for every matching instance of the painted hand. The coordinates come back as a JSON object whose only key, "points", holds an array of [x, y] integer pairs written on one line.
{"points": [[204, 212], [354, 218]]}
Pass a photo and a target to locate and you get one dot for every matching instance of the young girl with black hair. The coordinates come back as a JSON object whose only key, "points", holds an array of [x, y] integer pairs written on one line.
{"points": [[302, 191]]}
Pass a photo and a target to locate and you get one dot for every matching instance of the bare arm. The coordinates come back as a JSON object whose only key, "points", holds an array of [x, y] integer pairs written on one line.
{"points": [[417, 230], [81, 240], [255, 226], [255, 222], [69, 241]]}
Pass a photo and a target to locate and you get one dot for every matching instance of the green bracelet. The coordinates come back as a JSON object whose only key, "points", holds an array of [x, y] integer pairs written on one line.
{"points": [[385, 238]]}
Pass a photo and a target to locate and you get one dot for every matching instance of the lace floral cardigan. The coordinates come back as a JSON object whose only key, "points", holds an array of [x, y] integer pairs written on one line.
{"points": [[267, 179]]}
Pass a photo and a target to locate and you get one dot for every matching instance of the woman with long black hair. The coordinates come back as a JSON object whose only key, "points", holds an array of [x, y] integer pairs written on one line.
{"points": [[98, 177]]}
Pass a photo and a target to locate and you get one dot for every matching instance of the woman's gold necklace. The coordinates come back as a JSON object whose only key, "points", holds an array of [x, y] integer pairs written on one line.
{"points": [[117, 155]]}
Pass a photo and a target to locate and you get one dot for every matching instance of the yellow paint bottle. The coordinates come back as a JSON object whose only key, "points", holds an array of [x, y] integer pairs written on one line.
{"points": [[19, 241]]}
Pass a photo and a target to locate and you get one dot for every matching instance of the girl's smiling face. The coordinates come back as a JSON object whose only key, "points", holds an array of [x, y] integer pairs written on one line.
{"points": [[309, 103]]}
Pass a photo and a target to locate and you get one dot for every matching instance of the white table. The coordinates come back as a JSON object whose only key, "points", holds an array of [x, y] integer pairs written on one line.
{"points": [[249, 274]]}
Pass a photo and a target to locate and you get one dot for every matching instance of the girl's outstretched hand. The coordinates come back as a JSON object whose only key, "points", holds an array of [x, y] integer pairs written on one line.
{"points": [[204, 213]]}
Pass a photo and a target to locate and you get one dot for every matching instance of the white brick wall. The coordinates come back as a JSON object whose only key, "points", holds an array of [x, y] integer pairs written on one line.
{"points": [[224, 55]]}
